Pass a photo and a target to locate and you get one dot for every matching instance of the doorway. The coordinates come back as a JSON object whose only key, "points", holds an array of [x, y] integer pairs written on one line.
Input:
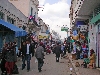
{"points": [[98, 49]]}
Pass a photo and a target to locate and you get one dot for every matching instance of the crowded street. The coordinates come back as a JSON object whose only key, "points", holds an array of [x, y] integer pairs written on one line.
{"points": [[49, 37], [51, 67]]}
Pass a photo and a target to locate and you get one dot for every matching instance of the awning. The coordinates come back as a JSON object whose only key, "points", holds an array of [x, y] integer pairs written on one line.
{"points": [[95, 19], [18, 31], [80, 23]]}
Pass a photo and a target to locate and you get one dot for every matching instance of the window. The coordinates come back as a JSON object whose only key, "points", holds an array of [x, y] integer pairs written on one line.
{"points": [[10, 20], [1, 15], [31, 11]]}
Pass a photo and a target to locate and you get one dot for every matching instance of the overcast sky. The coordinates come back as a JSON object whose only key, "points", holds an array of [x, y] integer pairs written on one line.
{"points": [[56, 12]]}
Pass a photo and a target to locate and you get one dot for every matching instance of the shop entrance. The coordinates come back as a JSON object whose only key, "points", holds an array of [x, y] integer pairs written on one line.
{"points": [[98, 50]]}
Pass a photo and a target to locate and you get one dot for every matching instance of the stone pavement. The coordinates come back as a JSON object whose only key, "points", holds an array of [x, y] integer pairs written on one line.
{"points": [[81, 70], [51, 67]]}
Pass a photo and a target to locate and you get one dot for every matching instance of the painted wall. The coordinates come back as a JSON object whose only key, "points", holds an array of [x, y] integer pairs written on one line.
{"points": [[20, 19], [23, 6], [10, 10]]}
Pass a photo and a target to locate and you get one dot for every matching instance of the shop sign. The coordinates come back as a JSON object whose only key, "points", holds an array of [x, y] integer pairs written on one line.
{"points": [[43, 37]]}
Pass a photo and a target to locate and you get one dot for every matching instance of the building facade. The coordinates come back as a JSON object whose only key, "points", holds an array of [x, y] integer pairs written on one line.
{"points": [[12, 20], [30, 9], [88, 11], [44, 32]]}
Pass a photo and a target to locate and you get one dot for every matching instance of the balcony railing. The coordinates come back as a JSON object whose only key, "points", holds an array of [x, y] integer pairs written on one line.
{"points": [[32, 21]]}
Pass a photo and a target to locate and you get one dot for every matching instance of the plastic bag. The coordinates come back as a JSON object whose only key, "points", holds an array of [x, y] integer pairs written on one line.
{"points": [[36, 61]]}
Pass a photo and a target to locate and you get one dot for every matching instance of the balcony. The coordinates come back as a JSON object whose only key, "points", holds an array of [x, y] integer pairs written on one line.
{"points": [[88, 6], [32, 21]]}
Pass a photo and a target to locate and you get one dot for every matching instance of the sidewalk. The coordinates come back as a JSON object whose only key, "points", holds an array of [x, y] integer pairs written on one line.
{"points": [[50, 67], [83, 71]]}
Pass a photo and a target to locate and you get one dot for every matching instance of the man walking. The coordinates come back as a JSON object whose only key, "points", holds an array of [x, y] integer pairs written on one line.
{"points": [[57, 52], [40, 56], [26, 52]]}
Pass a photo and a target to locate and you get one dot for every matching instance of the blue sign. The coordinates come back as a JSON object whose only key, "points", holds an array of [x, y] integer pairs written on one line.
{"points": [[47, 32], [75, 33], [80, 23]]}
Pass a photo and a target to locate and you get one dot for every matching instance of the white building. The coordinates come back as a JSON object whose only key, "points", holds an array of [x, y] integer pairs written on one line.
{"points": [[12, 21], [43, 34], [89, 11], [28, 8], [11, 14]]}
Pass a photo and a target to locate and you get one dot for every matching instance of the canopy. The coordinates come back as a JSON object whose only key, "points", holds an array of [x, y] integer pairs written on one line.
{"points": [[18, 31]]}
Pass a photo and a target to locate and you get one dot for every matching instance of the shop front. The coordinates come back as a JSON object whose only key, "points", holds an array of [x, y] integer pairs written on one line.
{"points": [[10, 33], [98, 45], [95, 20], [41, 37]]}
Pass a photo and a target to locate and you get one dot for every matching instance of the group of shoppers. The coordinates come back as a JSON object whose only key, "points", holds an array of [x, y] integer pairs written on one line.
{"points": [[82, 52], [28, 50], [9, 58]]}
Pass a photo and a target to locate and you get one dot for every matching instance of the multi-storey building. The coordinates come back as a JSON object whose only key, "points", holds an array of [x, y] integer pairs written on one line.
{"points": [[88, 11], [30, 9], [12, 21], [44, 32]]}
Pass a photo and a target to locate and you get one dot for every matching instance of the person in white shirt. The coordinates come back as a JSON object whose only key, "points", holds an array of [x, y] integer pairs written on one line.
{"points": [[27, 51]]}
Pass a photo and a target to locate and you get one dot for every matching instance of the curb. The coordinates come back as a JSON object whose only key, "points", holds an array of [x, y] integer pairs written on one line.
{"points": [[73, 64]]}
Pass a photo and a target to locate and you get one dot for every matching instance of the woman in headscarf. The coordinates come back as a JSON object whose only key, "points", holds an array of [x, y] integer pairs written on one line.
{"points": [[92, 59]]}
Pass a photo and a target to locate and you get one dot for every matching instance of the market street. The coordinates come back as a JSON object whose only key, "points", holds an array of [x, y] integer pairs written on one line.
{"points": [[51, 67]]}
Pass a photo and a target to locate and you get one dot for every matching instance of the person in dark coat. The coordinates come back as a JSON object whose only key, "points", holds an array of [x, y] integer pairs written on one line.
{"points": [[26, 52], [11, 58], [3, 61], [68, 47], [23, 54], [57, 52]]}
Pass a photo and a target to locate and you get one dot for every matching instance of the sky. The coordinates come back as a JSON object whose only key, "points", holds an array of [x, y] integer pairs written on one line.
{"points": [[55, 14]]}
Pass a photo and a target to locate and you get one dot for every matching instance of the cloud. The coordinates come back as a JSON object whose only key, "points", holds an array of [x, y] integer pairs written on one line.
{"points": [[56, 14], [41, 2]]}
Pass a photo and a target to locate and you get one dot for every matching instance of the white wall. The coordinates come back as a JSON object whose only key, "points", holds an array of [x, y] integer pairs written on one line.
{"points": [[92, 44], [21, 5], [35, 10], [10, 10]]}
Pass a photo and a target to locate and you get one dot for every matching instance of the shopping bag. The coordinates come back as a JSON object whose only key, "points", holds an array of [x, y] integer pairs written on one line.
{"points": [[36, 60]]}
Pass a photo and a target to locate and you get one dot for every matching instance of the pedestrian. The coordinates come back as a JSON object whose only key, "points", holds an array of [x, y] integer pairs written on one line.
{"points": [[3, 61], [53, 50], [11, 58], [39, 54], [57, 52], [78, 50], [92, 59], [26, 52], [62, 50], [23, 54]]}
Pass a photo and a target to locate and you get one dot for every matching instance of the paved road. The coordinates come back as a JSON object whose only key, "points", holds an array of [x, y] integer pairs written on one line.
{"points": [[50, 67], [83, 71]]}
